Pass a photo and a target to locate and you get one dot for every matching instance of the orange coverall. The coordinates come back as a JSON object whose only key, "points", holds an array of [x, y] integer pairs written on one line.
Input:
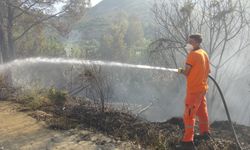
{"points": [[197, 86]]}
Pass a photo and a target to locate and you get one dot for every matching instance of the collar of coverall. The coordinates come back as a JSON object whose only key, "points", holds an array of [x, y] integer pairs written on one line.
{"points": [[197, 49]]}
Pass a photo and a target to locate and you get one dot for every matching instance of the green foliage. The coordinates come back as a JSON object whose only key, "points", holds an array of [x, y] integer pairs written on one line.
{"points": [[118, 37], [113, 46], [33, 99], [83, 49], [38, 43], [135, 34], [124, 40], [36, 102], [51, 47], [57, 97]]}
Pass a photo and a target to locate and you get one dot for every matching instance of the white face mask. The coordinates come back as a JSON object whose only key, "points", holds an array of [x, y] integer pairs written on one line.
{"points": [[189, 47]]}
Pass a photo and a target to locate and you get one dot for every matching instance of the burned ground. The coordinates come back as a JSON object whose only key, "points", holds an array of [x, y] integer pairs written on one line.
{"points": [[124, 126]]}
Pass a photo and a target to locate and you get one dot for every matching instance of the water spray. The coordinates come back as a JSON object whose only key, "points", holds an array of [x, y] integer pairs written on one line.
{"points": [[20, 62]]}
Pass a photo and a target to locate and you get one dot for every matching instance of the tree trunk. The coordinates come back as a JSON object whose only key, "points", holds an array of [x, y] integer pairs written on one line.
{"points": [[3, 51], [11, 50]]}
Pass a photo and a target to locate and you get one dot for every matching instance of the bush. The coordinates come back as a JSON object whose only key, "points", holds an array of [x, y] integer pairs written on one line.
{"points": [[33, 99], [37, 102], [57, 98]]}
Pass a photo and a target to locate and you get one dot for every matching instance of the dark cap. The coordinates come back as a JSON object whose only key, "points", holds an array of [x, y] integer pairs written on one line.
{"points": [[196, 37]]}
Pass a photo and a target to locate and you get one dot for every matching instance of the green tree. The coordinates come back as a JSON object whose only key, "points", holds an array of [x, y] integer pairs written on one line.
{"points": [[113, 45], [36, 12], [135, 38], [135, 34], [39, 43]]}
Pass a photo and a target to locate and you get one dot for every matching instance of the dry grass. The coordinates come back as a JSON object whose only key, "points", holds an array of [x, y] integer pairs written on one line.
{"points": [[62, 112]]}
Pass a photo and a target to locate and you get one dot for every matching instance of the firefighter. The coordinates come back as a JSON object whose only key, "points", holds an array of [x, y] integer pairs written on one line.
{"points": [[196, 71]]}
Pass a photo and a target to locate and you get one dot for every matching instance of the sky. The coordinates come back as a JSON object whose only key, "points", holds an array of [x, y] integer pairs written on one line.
{"points": [[58, 6], [94, 2]]}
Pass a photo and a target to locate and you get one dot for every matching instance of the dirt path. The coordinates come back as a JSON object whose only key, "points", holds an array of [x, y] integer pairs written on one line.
{"points": [[19, 131]]}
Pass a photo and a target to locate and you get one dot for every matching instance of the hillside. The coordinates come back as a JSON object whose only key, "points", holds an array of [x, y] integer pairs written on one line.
{"points": [[140, 8], [99, 18]]}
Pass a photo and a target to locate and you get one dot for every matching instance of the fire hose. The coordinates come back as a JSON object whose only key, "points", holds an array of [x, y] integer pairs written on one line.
{"points": [[227, 112]]}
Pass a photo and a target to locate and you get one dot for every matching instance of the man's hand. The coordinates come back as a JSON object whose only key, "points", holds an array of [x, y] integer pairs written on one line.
{"points": [[180, 70], [185, 71]]}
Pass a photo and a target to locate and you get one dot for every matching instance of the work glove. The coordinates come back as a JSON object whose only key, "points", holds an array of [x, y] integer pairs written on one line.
{"points": [[180, 70]]}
